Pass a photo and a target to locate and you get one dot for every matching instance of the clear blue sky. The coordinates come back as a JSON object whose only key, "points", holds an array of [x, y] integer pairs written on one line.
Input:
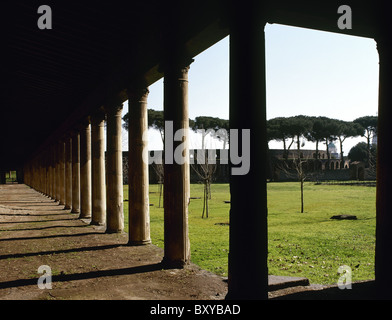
{"points": [[308, 72]]}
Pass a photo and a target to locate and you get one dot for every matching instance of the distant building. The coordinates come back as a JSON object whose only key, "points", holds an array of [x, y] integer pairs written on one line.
{"points": [[333, 151], [374, 140], [307, 154]]}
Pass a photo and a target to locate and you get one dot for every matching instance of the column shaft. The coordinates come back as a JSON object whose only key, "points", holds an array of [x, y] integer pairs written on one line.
{"points": [[383, 257], [85, 171], [176, 173], [75, 173], [248, 273], [114, 174], [98, 170], [139, 212], [61, 173], [68, 173], [57, 172]]}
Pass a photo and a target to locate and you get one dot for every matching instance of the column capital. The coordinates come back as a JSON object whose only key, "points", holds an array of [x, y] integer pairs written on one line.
{"points": [[113, 108], [74, 131], [383, 44], [98, 115], [84, 123], [171, 64], [136, 93]]}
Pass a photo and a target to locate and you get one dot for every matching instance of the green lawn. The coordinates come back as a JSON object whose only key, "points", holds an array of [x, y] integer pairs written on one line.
{"points": [[307, 244]]}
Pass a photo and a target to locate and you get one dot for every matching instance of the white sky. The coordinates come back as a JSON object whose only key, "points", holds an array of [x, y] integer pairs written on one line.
{"points": [[308, 72]]}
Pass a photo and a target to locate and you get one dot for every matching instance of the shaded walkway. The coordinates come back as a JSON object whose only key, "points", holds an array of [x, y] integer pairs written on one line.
{"points": [[86, 263]]}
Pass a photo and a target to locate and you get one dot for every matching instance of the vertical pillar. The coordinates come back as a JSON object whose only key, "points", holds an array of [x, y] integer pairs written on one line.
{"points": [[383, 257], [176, 171], [53, 168], [57, 171], [248, 245], [68, 173], [49, 168], [114, 174], [75, 172], [61, 174], [20, 175], [85, 170], [2, 177], [139, 208], [98, 169]]}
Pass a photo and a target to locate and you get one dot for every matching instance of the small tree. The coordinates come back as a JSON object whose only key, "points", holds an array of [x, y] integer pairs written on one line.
{"points": [[159, 170], [296, 169], [205, 171]]}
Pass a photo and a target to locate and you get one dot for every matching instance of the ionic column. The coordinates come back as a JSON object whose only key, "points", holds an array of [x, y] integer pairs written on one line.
{"points": [[85, 170], [383, 257], [114, 173], [176, 171], [68, 173], [248, 245], [98, 169], [75, 172], [139, 208]]}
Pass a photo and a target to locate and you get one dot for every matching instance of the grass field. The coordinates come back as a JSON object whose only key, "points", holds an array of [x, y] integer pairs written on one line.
{"points": [[307, 244]]}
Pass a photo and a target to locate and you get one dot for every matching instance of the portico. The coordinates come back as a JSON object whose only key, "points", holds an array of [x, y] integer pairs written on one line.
{"points": [[64, 85]]}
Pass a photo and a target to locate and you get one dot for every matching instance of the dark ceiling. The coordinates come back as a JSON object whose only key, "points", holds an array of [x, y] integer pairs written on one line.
{"points": [[52, 78]]}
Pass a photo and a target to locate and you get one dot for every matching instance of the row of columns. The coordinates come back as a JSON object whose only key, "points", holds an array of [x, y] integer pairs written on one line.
{"points": [[56, 172], [72, 171], [248, 243]]}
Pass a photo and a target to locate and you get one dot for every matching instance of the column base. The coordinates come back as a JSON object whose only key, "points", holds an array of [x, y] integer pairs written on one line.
{"points": [[97, 223], [114, 231], [84, 216], [75, 211], [139, 243], [173, 264]]}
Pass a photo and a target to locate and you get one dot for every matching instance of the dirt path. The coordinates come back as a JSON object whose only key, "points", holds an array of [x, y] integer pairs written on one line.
{"points": [[85, 262]]}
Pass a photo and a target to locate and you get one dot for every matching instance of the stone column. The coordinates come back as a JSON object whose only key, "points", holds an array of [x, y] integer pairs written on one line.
{"points": [[139, 207], [383, 257], [68, 173], [61, 174], [57, 171], [114, 174], [50, 172], [176, 171], [85, 170], [75, 172], [2, 177], [248, 245], [98, 169]]}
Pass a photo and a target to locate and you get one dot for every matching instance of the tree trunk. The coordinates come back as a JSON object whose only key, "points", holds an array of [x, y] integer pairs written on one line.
{"points": [[204, 201], [302, 195], [160, 193], [341, 153]]}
